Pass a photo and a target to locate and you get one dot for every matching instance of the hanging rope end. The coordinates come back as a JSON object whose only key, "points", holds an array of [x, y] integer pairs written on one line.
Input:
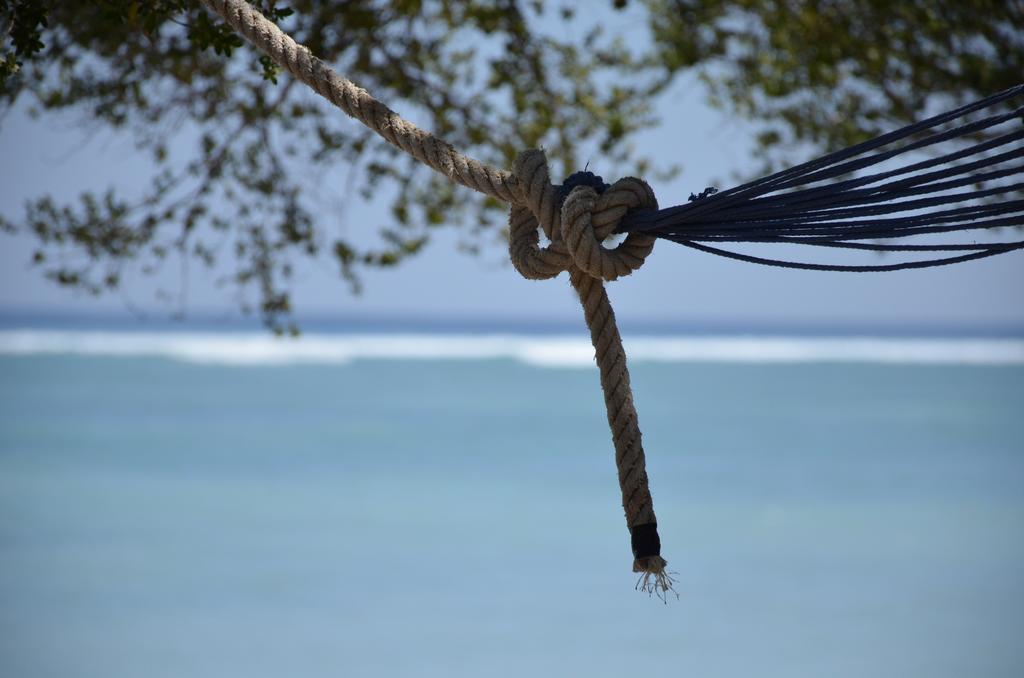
{"points": [[655, 579]]}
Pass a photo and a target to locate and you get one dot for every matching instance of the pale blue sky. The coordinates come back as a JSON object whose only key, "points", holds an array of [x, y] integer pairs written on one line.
{"points": [[676, 286]]}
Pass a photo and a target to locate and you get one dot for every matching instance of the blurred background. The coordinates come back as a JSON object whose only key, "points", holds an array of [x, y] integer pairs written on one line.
{"points": [[421, 481]]}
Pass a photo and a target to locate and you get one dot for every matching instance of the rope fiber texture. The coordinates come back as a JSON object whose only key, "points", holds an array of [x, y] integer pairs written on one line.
{"points": [[357, 103], [575, 224]]}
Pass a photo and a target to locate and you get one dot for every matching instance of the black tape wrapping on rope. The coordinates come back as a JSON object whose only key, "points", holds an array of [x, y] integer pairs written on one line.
{"points": [[645, 540], [787, 208]]}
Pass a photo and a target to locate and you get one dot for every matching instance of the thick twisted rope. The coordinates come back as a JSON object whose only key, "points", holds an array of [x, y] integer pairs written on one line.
{"points": [[575, 227], [357, 103]]}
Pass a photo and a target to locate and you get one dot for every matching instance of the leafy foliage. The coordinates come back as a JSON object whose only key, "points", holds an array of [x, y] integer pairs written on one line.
{"points": [[464, 69], [23, 24], [831, 73], [490, 76]]}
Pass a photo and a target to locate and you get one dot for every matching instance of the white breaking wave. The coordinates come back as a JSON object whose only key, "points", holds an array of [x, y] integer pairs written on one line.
{"points": [[259, 348]]}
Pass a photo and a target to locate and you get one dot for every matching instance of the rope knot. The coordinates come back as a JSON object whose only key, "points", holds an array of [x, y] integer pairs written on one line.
{"points": [[576, 222]]}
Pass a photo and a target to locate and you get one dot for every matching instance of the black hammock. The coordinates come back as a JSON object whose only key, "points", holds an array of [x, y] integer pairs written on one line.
{"points": [[794, 206]]}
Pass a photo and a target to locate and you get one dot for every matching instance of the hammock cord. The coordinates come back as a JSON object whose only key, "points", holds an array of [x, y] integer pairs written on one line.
{"points": [[787, 208]]}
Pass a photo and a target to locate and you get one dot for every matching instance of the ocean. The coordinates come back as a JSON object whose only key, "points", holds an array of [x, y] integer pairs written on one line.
{"points": [[209, 503]]}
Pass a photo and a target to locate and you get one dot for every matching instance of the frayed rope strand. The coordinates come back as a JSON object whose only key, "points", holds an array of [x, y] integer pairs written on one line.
{"points": [[655, 579]]}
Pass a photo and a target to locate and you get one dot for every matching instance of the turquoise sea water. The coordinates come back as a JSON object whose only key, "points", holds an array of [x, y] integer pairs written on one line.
{"points": [[460, 517]]}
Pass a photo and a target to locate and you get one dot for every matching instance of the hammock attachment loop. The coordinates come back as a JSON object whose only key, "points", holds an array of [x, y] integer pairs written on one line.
{"points": [[575, 222]]}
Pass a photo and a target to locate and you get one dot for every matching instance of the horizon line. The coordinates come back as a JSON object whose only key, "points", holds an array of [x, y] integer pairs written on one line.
{"points": [[377, 321]]}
